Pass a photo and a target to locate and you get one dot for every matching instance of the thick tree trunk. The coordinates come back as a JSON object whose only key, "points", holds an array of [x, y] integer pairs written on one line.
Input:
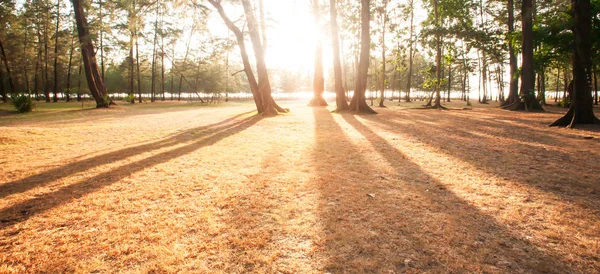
{"points": [[595, 88], [581, 110], [340, 96], [256, 93], [359, 103], [513, 89], [528, 100], [94, 79], [11, 83], [318, 79]]}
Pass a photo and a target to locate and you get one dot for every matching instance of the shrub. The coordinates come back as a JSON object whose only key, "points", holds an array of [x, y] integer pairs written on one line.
{"points": [[566, 102], [22, 103]]}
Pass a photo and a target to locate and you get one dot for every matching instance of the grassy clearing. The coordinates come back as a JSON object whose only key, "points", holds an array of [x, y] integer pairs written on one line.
{"points": [[182, 188]]}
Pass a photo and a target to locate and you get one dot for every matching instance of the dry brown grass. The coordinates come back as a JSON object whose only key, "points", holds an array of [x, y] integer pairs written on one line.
{"points": [[204, 190]]}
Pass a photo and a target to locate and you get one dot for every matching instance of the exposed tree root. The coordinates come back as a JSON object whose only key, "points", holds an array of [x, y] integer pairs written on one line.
{"points": [[318, 101]]}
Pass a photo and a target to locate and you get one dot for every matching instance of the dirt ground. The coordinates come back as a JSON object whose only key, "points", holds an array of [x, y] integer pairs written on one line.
{"points": [[196, 189]]}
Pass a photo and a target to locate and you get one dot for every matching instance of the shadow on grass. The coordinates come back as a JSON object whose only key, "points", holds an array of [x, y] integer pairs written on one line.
{"points": [[211, 134], [410, 223], [526, 160]]}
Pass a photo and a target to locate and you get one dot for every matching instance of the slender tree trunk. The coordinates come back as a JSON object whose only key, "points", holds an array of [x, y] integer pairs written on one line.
{"points": [[595, 88], [383, 18], [172, 73], [318, 79], [25, 64], [2, 90], [94, 79], [557, 85], [340, 96], [359, 103], [153, 80], [137, 64], [37, 68], [256, 93], [70, 65], [11, 83], [438, 59], [264, 86], [46, 77], [55, 88], [101, 38], [79, 81], [449, 81], [581, 110], [410, 51]]}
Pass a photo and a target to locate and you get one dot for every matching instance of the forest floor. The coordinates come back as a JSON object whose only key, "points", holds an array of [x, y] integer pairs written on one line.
{"points": [[196, 189]]}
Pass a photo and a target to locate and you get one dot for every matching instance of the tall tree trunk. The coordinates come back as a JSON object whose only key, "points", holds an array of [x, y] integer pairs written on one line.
{"points": [[79, 96], [595, 88], [94, 79], [340, 96], [359, 103], [2, 91], [449, 81], [581, 110], [318, 79], [46, 77], [264, 86], [11, 83], [101, 38], [542, 87], [557, 84], [383, 16], [55, 88], [137, 64], [153, 79], [25, 64], [410, 51], [528, 100], [70, 65], [513, 89], [256, 94], [438, 59]]}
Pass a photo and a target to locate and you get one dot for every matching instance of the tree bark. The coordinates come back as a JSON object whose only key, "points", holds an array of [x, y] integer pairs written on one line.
{"points": [[581, 110], [137, 64], [318, 79], [359, 103], [94, 79], [340, 96], [70, 66]]}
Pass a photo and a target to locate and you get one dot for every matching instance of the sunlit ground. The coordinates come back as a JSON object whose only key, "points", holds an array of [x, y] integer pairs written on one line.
{"points": [[190, 188]]}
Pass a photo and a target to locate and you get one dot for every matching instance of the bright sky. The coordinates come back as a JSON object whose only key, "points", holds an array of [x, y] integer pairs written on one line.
{"points": [[290, 33]]}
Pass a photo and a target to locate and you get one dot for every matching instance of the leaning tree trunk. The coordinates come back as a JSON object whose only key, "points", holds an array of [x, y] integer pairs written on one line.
{"points": [[340, 96], [11, 83], [264, 86], [318, 79], [581, 110], [359, 102], [88, 55], [256, 95]]}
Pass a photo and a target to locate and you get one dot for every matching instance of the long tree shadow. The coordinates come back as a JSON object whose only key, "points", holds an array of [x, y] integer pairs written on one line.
{"points": [[22, 211], [391, 216], [54, 174], [492, 154]]}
